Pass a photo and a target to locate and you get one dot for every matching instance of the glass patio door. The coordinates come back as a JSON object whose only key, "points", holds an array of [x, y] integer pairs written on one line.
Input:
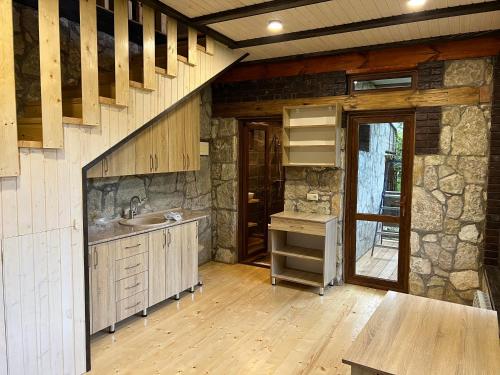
{"points": [[378, 200]]}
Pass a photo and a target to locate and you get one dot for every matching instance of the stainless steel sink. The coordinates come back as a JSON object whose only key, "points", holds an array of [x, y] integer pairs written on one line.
{"points": [[145, 221]]}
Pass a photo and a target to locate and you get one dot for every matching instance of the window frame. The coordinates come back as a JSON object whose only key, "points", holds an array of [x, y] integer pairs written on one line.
{"points": [[374, 76]]}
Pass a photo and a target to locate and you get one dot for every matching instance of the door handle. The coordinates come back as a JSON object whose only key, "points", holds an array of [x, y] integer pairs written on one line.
{"points": [[402, 205]]}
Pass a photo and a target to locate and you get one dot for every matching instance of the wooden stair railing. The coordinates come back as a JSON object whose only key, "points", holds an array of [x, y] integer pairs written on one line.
{"points": [[42, 123]]}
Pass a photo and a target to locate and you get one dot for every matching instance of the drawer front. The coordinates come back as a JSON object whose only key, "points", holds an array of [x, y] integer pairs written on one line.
{"points": [[130, 246], [131, 305], [131, 285], [299, 226], [131, 266]]}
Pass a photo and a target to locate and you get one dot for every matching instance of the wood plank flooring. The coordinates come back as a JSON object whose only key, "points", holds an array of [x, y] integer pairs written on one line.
{"points": [[237, 323], [383, 264]]}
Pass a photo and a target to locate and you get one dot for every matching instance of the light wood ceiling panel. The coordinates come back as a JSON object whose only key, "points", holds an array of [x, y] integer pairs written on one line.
{"points": [[196, 8], [405, 32], [330, 13]]}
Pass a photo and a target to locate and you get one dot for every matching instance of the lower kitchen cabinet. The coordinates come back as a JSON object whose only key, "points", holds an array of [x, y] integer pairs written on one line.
{"points": [[173, 260], [131, 274], [102, 281]]}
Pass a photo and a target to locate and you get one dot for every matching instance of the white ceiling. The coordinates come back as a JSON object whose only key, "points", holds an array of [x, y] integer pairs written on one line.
{"points": [[337, 12]]}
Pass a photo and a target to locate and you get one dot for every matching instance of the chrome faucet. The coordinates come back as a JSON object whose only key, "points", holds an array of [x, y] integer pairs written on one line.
{"points": [[134, 208]]}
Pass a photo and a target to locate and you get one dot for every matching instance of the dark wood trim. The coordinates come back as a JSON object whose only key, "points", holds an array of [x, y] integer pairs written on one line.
{"points": [[84, 197], [362, 77], [371, 59], [252, 10], [426, 15], [171, 12], [351, 216]]}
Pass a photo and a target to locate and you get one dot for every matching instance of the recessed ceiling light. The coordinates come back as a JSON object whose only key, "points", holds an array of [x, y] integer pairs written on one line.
{"points": [[274, 26], [416, 3]]}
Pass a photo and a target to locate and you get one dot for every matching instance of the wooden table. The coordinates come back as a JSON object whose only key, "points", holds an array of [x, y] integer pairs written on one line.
{"points": [[415, 335]]}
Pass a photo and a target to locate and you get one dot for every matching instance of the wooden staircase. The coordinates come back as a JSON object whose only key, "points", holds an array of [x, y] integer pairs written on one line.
{"points": [[42, 122]]}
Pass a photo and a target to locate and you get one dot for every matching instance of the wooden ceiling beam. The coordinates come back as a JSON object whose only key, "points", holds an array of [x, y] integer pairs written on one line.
{"points": [[372, 59], [252, 10], [426, 15]]}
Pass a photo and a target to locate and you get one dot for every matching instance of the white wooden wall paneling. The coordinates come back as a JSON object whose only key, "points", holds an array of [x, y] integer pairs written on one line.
{"points": [[41, 232], [3, 343]]}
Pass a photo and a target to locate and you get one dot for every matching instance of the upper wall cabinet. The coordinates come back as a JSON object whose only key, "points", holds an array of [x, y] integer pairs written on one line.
{"points": [[170, 145], [311, 135]]}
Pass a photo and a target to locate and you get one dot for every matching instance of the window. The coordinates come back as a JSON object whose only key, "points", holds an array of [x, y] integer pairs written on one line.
{"points": [[385, 81]]}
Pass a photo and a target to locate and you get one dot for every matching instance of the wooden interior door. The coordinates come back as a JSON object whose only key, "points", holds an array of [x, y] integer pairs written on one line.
{"points": [[378, 199], [157, 266]]}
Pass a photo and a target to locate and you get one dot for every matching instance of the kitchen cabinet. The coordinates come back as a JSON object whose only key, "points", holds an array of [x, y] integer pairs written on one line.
{"points": [[130, 274], [189, 267], [121, 162], [102, 286]]}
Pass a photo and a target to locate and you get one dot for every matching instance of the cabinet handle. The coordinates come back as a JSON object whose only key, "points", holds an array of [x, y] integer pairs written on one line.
{"points": [[169, 238], [156, 162], [164, 239], [133, 286], [106, 167], [132, 247], [188, 161], [96, 258], [130, 267], [183, 161], [151, 163], [131, 307]]}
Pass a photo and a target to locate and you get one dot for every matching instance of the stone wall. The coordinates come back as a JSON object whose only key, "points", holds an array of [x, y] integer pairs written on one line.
{"points": [[449, 196], [224, 180], [328, 183]]}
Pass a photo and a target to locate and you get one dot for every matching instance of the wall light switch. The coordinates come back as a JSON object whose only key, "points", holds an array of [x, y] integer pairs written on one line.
{"points": [[312, 197]]}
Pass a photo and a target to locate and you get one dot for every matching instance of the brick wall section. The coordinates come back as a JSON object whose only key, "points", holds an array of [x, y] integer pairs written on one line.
{"points": [[491, 252], [427, 130], [302, 86], [430, 75]]}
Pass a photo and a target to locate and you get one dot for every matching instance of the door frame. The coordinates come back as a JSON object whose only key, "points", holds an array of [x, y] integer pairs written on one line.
{"points": [[243, 183], [351, 198]]}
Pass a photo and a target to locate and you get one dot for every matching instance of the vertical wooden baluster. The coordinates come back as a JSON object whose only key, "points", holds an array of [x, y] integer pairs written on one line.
{"points": [[171, 47], [90, 75], [121, 52], [9, 158], [209, 45], [192, 46], [148, 27], [50, 74]]}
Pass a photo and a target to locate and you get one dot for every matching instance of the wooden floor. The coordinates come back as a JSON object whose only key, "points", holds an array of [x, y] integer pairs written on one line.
{"points": [[383, 264], [237, 323]]}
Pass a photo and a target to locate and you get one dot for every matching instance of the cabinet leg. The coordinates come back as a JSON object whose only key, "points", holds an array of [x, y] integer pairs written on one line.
{"points": [[112, 328], [321, 291], [177, 297], [273, 280], [200, 283], [331, 283], [144, 312], [191, 289]]}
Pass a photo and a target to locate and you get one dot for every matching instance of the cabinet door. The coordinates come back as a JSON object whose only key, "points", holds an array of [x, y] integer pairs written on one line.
{"points": [[95, 171], [160, 146], [173, 260], [192, 134], [176, 142], [157, 262], [121, 162], [143, 152], [189, 255], [103, 286]]}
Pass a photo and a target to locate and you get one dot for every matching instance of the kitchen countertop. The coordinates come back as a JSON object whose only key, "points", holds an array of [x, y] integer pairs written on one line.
{"points": [[113, 230]]}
